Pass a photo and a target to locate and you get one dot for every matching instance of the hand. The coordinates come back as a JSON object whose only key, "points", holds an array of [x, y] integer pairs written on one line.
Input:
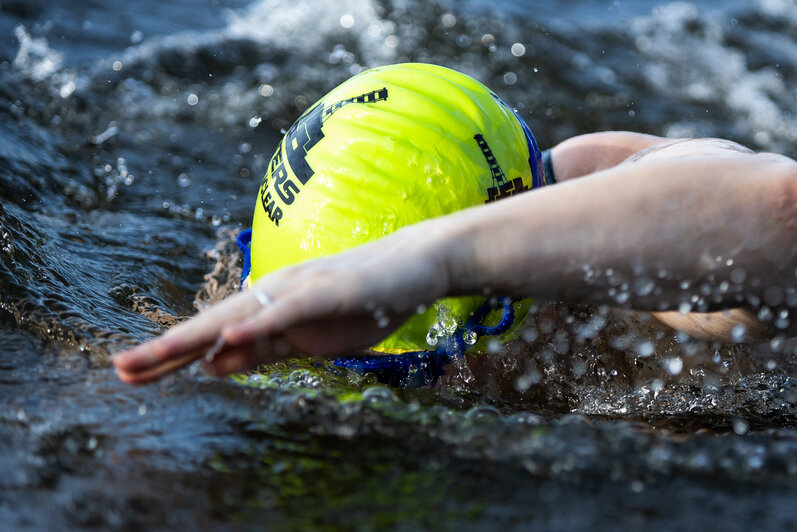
{"points": [[324, 307]]}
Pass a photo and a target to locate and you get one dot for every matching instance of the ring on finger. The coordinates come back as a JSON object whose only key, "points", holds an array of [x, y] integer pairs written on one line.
{"points": [[262, 297]]}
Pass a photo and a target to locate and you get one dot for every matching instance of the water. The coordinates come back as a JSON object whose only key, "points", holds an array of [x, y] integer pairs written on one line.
{"points": [[133, 140]]}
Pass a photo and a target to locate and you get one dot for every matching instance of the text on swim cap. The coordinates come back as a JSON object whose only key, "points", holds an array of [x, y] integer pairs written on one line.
{"points": [[298, 141], [502, 187]]}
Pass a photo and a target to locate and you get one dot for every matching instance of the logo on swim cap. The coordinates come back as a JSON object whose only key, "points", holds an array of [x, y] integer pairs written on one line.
{"points": [[298, 141], [389, 147], [502, 187]]}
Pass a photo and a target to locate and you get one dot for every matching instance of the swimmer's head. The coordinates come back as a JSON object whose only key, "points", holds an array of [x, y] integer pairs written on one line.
{"points": [[390, 147]]}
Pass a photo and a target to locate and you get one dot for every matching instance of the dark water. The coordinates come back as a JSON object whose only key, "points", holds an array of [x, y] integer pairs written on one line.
{"points": [[133, 138]]}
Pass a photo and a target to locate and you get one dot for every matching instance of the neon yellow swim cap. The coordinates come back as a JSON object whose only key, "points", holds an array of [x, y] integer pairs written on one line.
{"points": [[390, 147]]}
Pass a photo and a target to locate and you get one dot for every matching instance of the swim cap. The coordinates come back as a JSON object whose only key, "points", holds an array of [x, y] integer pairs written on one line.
{"points": [[390, 147]]}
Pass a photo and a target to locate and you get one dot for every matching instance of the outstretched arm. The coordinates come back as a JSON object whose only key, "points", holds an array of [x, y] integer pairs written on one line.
{"points": [[588, 155], [695, 224], [689, 212]]}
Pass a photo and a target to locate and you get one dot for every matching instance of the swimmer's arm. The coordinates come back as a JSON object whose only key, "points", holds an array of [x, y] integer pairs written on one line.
{"points": [[586, 154], [663, 220], [660, 219]]}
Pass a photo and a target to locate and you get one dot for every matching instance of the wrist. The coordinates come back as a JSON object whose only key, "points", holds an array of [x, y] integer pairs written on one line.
{"points": [[438, 245], [452, 239]]}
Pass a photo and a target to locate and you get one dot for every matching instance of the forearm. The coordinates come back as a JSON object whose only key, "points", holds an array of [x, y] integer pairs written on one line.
{"points": [[650, 236]]}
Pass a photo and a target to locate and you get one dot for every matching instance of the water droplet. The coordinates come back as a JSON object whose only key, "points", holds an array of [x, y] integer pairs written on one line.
{"points": [[470, 337], [446, 324], [621, 342], [67, 89], [192, 99], [449, 20], [493, 346], [524, 382], [644, 348], [347, 20], [740, 426], [773, 296], [432, 337], [518, 49], [782, 321], [527, 418], [755, 461], [483, 413], [142, 410], [379, 394], [738, 275], [381, 318], [529, 335], [117, 66], [674, 365], [643, 286]]}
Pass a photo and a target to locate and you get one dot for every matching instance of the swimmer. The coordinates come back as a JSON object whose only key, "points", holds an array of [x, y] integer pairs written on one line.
{"points": [[709, 224]]}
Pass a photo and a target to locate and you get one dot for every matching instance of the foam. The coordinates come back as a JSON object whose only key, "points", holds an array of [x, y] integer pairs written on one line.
{"points": [[686, 54]]}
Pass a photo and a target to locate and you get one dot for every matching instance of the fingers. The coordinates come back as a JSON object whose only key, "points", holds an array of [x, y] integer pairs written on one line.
{"points": [[234, 360], [250, 330], [144, 375], [187, 341], [231, 359], [278, 315], [311, 300]]}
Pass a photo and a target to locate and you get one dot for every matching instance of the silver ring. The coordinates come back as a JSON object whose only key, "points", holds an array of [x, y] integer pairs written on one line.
{"points": [[262, 297]]}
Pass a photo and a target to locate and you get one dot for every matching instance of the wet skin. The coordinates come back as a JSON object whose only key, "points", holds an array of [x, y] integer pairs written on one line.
{"points": [[627, 206]]}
